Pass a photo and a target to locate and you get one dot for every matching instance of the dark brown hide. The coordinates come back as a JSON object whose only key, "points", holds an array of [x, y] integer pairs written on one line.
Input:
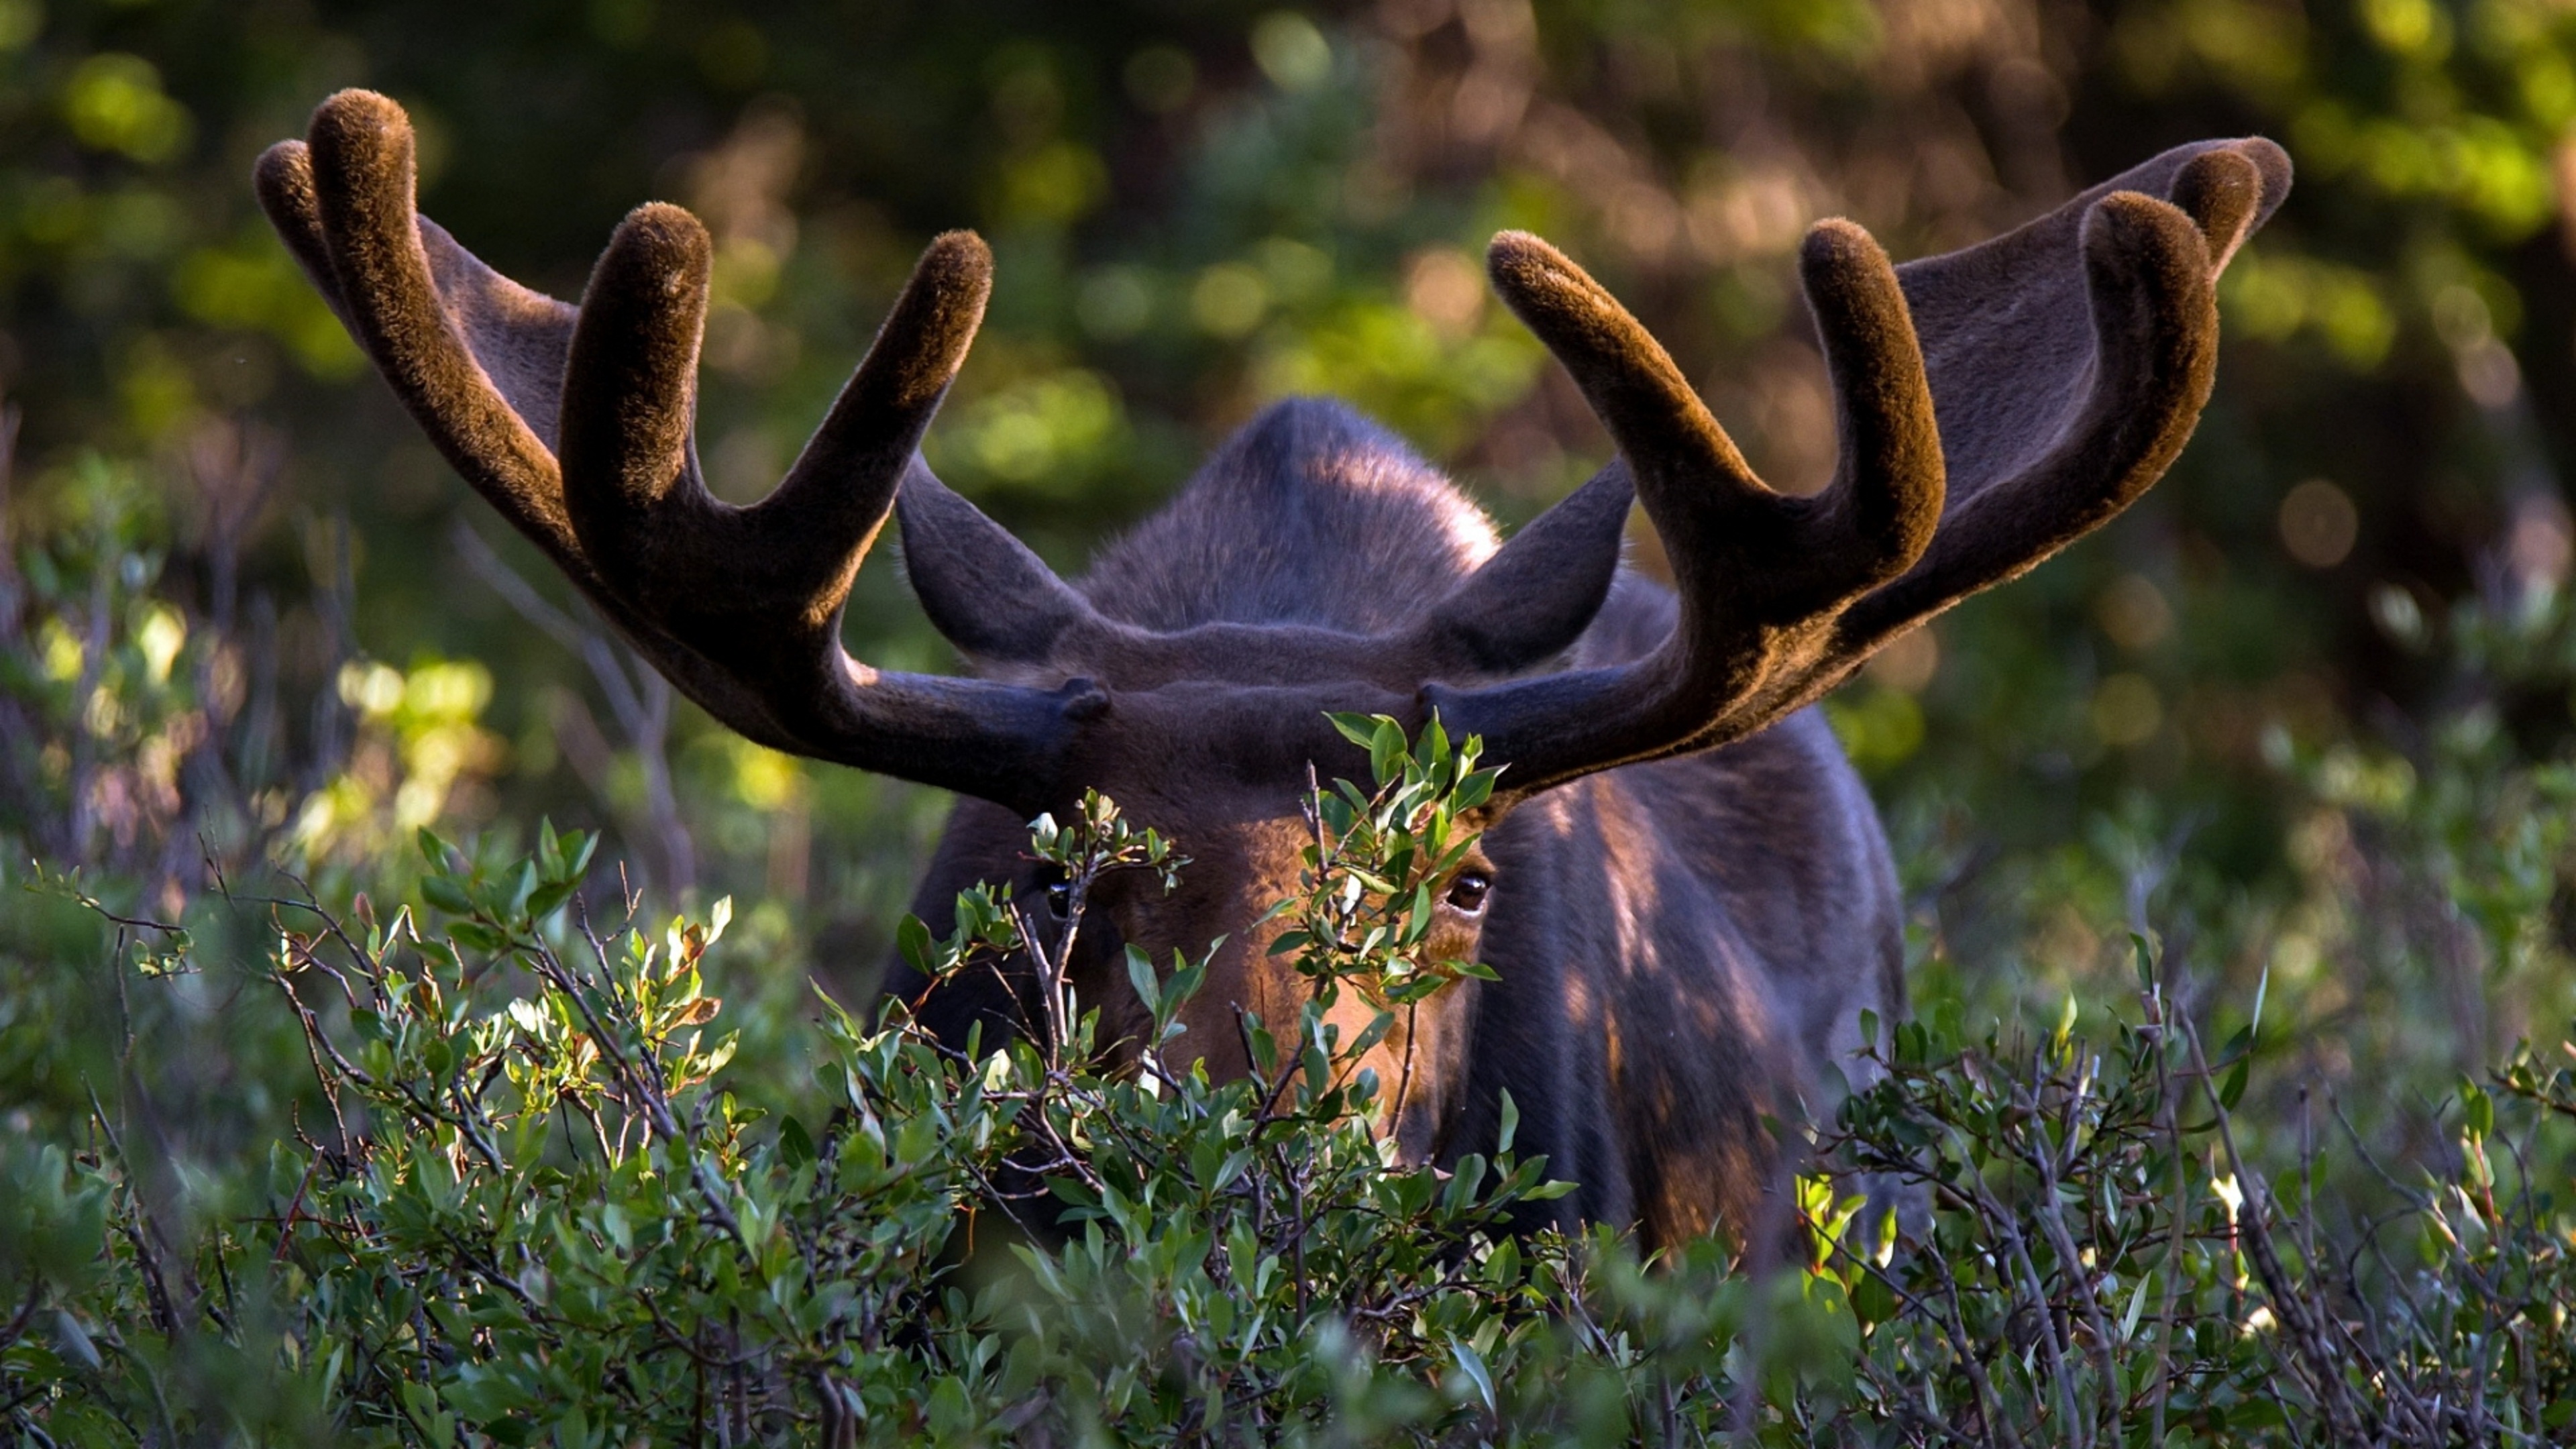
{"points": [[1691, 902]]}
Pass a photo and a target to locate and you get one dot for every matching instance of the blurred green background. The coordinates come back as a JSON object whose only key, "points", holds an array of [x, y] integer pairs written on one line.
{"points": [[2302, 712]]}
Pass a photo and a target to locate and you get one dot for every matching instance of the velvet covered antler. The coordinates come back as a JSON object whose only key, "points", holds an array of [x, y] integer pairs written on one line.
{"points": [[576, 424], [1993, 405]]}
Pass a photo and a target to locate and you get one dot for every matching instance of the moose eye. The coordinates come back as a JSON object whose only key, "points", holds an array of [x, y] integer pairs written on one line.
{"points": [[1058, 892], [1467, 893]]}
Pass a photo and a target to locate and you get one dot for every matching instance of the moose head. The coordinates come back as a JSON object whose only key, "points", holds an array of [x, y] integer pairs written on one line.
{"points": [[1687, 910]]}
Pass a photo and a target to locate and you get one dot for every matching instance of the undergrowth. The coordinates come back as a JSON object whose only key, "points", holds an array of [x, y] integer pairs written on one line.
{"points": [[530, 1193]]}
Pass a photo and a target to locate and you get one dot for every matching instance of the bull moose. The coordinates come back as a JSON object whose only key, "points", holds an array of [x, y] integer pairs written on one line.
{"points": [[1682, 889]]}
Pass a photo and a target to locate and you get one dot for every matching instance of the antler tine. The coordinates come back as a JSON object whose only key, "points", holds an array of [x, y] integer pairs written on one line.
{"points": [[2223, 192], [877, 422], [1624, 372], [283, 181], [518, 337], [1759, 573], [629, 396], [880, 415], [630, 399], [1651, 411], [1879, 514], [360, 169], [719, 577], [1696, 486]]}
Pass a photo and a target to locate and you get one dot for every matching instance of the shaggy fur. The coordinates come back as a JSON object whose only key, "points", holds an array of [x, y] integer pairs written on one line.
{"points": [[1691, 901]]}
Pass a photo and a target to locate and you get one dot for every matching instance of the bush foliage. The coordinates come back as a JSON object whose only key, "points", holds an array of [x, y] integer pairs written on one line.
{"points": [[531, 1195]]}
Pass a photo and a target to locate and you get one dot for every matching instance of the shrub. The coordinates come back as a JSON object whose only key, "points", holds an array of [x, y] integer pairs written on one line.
{"points": [[533, 1198]]}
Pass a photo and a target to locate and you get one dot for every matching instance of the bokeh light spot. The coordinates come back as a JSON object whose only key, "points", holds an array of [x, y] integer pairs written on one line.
{"points": [[2319, 524], [2127, 710], [1229, 299], [2133, 612], [1291, 51]]}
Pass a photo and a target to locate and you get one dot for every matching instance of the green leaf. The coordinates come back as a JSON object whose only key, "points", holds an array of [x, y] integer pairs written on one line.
{"points": [[523, 886], [2477, 1110], [795, 1146], [1186, 979], [1386, 751], [1359, 729], [1472, 1364], [444, 893], [1873, 1302], [1431, 751], [548, 898], [1230, 1169], [476, 935], [1264, 1047], [912, 941], [1140, 974]]}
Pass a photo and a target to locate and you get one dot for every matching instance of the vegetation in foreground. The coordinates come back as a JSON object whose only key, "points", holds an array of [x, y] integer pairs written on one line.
{"points": [[529, 1190]]}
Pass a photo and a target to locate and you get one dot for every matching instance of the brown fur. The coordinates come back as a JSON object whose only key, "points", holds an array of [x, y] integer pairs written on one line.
{"points": [[1691, 904]]}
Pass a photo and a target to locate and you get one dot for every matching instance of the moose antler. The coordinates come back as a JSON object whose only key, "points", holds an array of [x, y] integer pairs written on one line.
{"points": [[1993, 405], [575, 424]]}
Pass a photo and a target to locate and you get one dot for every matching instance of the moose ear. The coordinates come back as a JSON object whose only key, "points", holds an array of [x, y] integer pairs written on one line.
{"points": [[983, 589], [1538, 593]]}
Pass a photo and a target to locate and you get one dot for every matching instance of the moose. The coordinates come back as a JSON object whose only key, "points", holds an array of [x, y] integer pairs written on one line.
{"points": [[1682, 889]]}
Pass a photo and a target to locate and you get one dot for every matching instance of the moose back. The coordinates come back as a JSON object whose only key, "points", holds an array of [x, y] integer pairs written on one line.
{"points": [[1682, 888]]}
